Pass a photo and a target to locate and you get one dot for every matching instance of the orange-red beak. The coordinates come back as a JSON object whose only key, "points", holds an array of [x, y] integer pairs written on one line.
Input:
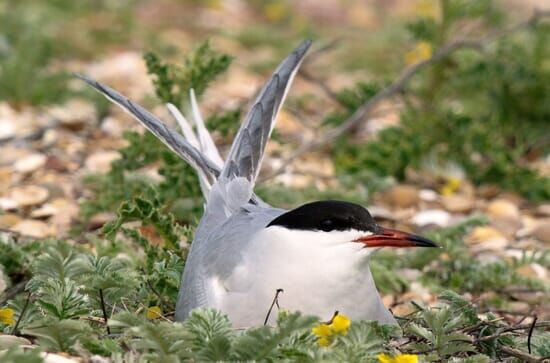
{"points": [[386, 237]]}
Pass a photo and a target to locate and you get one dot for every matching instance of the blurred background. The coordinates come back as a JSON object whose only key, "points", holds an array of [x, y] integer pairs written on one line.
{"points": [[451, 101]]}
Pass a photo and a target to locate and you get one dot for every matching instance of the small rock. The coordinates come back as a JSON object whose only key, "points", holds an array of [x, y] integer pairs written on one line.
{"points": [[379, 212], [7, 204], [457, 203], [533, 270], [437, 217], [428, 195], [484, 234], [403, 196], [7, 341], [32, 228], [7, 129], [544, 210], [29, 195], [502, 208], [75, 114], [30, 163], [9, 220], [100, 162], [542, 231], [58, 358], [47, 210]]}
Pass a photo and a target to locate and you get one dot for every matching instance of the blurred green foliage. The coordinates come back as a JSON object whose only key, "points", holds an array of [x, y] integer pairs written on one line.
{"points": [[35, 34], [487, 111]]}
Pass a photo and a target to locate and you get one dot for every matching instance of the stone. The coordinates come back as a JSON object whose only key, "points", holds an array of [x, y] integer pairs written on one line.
{"points": [[8, 220], [7, 129], [533, 270], [485, 234], [542, 231], [30, 163], [436, 217], [503, 209], [3, 282], [457, 203], [544, 210], [428, 195], [100, 162], [403, 196], [29, 195], [7, 204], [32, 228], [47, 210], [75, 114]]}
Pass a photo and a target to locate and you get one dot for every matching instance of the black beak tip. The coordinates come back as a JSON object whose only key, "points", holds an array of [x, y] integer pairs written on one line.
{"points": [[420, 241]]}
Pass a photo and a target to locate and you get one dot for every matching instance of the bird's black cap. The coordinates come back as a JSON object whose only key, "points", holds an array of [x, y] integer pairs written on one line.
{"points": [[327, 215]]}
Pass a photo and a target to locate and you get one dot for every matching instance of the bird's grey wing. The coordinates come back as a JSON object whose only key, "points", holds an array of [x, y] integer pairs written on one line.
{"points": [[167, 135], [216, 252], [247, 150]]}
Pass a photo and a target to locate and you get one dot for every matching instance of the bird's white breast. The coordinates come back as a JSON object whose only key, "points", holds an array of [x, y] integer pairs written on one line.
{"points": [[320, 272]]}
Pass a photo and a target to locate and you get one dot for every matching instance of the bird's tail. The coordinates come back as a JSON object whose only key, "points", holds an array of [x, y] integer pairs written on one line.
{"points": [[234, 179]]}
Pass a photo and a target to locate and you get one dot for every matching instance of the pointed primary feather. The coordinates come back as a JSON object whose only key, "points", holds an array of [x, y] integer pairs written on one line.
{"points": [[247, 151], [190, 136], [207, 145], [169, 137]]}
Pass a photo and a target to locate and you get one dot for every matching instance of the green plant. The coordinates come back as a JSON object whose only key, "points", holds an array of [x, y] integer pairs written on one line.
{"points": [[484, 111]]}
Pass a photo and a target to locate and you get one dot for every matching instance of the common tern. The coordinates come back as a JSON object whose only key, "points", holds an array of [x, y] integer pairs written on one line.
{"points": [[245, 250]]}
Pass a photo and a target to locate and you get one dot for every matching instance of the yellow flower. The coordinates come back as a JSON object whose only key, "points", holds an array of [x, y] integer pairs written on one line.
{"points": [[451, 186], [399, 358], [428, 9], [6, 316], [421, 52], [275, 11], [338, 326], [153, 312]]}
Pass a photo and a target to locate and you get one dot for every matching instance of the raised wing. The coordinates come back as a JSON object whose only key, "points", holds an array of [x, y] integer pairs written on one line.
{"points": [[167, 135], [245, 157]]}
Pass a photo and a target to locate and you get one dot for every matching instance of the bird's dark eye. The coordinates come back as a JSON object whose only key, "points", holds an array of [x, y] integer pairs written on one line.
{"points": [[327, 225]]}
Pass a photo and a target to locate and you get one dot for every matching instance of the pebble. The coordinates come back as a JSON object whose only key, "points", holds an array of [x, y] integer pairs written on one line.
{"points": [[3, 283], [542, 231], [30, 163], [7, 204], [58, 358], [457, 203], [75, 114], [47, 210], [7, 129], [502, 209], [7, 220], [100, 162], [544, 210], [403, 196], [533, 270], [437, 217], [484, 235], [32, 228], [29, 195], [428, 195]]}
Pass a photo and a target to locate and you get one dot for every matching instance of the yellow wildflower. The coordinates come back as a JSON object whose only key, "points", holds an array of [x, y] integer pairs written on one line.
{"points": [[153, 312], [399, 358], [451, 186], [421, 52], [275, 11], [338, 326], [6, 316], [428, 9]]}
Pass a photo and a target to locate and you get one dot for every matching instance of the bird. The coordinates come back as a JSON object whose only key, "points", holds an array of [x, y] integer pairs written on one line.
{"points": [[313, 258]]}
